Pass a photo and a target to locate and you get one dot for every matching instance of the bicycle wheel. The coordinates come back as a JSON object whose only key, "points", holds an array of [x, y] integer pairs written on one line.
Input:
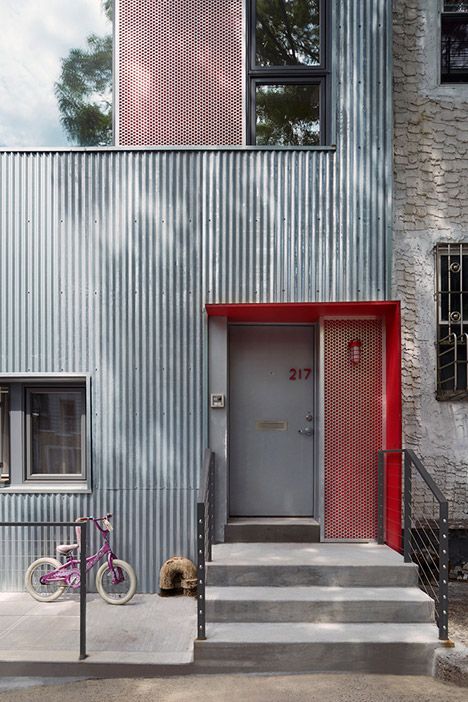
{"points": [[32, 580], [120, 593]]}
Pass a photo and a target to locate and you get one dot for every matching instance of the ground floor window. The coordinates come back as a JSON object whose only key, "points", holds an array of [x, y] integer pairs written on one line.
{"points": [[452, 321], [42, 431]]}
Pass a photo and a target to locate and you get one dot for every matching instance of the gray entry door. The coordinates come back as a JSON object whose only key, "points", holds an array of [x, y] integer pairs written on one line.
{"points": [[271, 421]]}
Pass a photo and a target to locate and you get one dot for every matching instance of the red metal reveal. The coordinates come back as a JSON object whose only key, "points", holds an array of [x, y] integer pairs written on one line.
{"points": [[180, 72], [353, 427]]}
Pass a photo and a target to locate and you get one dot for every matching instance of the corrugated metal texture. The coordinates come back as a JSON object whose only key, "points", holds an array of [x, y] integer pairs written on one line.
{"points": [[108, 257], [106, 261]]}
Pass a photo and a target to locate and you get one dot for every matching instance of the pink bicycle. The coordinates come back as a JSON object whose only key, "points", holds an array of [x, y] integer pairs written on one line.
{"points": [[47, 579]]}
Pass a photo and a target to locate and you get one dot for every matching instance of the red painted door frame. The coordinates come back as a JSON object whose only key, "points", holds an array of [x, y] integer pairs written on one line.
{"points": [[309, 312]]}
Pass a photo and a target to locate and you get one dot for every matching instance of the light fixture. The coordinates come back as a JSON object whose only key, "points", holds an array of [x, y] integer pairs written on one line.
{"points": [[354, 350]]}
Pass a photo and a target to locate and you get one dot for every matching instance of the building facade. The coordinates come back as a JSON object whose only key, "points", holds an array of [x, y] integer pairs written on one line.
{"points": [[430, 235], [215, 278]]}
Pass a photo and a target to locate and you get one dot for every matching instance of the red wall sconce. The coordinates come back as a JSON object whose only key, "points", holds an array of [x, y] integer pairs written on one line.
{"points": [[354, 350]]}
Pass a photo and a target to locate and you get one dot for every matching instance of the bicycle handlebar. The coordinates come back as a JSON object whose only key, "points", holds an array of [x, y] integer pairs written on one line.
{"points": [[94, 519]]}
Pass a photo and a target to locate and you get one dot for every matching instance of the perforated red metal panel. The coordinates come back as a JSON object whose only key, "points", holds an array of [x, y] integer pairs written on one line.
{"points": [[180, 72], [353, 428]]}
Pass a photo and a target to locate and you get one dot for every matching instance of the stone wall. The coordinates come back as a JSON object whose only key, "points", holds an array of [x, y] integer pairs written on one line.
{"points": [[431, 205]]}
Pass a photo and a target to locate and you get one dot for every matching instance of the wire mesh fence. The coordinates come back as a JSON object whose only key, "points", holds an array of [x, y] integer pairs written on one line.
{"points": [[32, 560]]}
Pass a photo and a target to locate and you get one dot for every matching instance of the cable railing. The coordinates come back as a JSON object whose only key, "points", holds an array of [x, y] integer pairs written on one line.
{"points": [[422, 511], [205, 535]]}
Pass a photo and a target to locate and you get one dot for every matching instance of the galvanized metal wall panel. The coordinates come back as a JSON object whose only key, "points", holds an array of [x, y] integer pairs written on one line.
{"points": [[108, 257]]}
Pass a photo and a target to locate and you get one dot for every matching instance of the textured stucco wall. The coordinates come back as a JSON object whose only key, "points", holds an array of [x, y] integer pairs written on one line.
{"points": [[431, 205]]}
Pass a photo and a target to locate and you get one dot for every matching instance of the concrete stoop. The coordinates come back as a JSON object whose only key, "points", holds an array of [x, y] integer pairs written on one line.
{"points": [[291, 607]]}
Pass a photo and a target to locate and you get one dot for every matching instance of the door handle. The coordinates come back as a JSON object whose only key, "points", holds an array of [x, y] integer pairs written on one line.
{"points": [[308, 431]]}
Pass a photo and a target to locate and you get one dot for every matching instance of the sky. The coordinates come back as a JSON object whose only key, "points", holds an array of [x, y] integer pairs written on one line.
{"points": [[35, 35]]}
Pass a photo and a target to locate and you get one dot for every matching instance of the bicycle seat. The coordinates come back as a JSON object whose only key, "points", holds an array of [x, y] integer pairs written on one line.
{"points": [[65, 549]]}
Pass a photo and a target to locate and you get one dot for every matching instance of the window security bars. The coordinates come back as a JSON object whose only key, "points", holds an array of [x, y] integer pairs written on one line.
{"points": [[27, 546], [424, 513], [454, 42], [452, 321], [205, 535]]}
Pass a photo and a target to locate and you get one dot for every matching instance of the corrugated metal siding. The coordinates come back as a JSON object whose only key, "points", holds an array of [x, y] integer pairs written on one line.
{"points": [[107, 259]]}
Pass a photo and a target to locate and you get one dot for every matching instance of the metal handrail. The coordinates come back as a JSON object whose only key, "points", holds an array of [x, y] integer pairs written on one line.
{"points": [[205, 535], [83, 527], [414, 548]]}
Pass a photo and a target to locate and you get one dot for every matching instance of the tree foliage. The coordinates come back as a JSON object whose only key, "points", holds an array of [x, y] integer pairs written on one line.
{"points": [[287, 32], [84, 90], [288, 115]]}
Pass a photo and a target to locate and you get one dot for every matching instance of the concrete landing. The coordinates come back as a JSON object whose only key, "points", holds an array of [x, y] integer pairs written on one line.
{"points": [[272, 530], [148, 636]]}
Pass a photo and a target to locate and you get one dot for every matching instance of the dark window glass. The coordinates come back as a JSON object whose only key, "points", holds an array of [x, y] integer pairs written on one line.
{"points": [[452, 346], [4, 435], [454, 47], [55, 421], [287, 32], [450, 6], [288, 114]]}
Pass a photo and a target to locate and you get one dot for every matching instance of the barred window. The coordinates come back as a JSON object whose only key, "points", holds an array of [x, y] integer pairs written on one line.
{"points": [[454, 42], [452, 322]]}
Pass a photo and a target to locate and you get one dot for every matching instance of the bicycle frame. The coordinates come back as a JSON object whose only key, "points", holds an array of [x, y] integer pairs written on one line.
{"points": [[69, 573]]}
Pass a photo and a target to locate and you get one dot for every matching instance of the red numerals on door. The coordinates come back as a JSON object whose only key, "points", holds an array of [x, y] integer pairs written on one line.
{"points": [[299, 373]]}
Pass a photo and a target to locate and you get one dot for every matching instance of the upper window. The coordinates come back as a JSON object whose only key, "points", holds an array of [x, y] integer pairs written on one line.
{"points": [[55, 73], [454, 48], [452, 321], [287, 72], [42, 432]]}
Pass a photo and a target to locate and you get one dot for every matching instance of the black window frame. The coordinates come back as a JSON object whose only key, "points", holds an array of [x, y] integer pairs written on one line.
{"points": [[299, 74], [446, 78], [56, 477]]}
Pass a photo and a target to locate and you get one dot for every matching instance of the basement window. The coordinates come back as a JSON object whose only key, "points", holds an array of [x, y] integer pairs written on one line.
{"points": [[452, 321], [43, 433], [454, 42]]}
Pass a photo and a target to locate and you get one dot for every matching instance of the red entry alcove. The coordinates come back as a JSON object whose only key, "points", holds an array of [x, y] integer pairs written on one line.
{"points": [[383, 361]]}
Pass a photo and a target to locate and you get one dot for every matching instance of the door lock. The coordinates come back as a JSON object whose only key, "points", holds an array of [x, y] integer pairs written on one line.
{"points": [[308, 431], [309, 417]]}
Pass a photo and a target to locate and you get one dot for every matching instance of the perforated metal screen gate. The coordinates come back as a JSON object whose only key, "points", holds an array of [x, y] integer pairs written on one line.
{"points": [[353, 427], [180, 72]]}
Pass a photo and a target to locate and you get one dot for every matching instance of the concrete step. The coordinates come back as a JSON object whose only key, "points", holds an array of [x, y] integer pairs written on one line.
{"points": [[272, 530], [318, 604], [330, 565], [400, 649]]}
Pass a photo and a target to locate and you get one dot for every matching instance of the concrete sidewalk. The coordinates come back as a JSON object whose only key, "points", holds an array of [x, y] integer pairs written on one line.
{"points": [[150, 633]]}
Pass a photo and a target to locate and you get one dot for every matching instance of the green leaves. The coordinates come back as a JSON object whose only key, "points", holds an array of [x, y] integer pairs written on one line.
{"points": [[84, 90]]}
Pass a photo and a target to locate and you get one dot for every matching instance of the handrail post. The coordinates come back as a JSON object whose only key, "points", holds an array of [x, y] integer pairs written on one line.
{"points": [[381, 498], [443, 571], [201, 625], [407, 508], [211, 494], [83, 591]]}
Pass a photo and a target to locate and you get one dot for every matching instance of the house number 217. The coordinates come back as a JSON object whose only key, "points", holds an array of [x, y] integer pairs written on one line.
{"points": [[299, 373]]}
